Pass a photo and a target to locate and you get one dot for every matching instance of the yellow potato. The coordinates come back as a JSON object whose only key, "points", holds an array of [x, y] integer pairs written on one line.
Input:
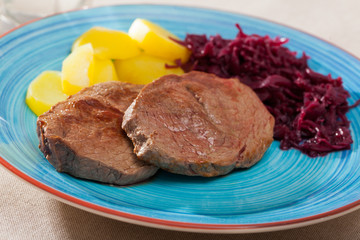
{"points": [[78, 69], [109, 44], [143, 69], [44, 91], [155, 41], [104, 71]]}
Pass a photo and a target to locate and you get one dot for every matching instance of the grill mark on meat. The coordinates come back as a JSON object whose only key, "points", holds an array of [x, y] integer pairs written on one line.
{"points": [[209, 119], [240, 156], [209, 115], [196, 97]]}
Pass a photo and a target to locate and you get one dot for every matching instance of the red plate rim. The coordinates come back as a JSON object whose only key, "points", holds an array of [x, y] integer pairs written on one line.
{"points": [[183, 226]]}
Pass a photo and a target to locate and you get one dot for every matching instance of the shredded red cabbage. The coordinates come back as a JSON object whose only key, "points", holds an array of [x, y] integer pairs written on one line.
{"points": [[309, 108]]}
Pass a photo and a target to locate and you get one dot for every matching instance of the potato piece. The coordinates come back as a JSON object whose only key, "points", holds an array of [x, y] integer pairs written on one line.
{"points": [[78, 69], [109, 44], [104, 71], [155, 41], [44, 91], [143, 69]]}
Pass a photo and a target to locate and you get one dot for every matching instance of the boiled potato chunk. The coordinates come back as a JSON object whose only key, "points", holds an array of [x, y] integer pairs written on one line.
{"points": [[156, 41], [78, 69], [44, 91], [104, 71], [143, 69], [108, 43]]}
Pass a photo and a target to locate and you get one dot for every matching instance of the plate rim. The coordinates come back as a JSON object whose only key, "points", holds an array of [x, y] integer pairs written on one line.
{"points": [[177, 225], [171, 224]]}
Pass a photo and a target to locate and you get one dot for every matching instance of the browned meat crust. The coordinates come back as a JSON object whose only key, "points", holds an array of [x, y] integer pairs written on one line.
{"points": [[82, 136], [198, 124]]}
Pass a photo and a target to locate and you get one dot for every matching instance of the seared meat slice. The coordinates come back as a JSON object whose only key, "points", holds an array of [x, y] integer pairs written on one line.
{"points": [[198, 124], [83, 137]]}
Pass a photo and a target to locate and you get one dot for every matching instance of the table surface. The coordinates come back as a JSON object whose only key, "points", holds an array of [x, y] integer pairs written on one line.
{"points": [[28, 213]]}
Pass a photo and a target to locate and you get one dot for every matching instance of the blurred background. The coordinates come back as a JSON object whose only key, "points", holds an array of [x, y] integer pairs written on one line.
{"points": [[312, 16]]}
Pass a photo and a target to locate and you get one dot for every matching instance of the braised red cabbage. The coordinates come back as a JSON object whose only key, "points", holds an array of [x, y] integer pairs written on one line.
{"points": [[309, 107]]}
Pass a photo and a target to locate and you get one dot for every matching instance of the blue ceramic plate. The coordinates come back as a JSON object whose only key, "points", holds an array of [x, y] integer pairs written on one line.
{"points": [[285, 189]]}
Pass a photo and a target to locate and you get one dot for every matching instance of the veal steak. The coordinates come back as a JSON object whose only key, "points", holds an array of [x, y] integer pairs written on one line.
{"points": [[198, 124], [82, 135]]}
